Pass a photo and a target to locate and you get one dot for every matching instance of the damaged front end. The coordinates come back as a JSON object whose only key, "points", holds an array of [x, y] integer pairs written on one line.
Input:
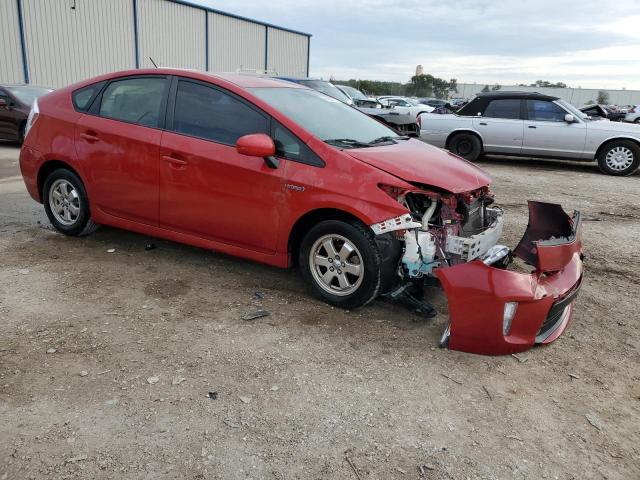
{"points": [[492, 310]]}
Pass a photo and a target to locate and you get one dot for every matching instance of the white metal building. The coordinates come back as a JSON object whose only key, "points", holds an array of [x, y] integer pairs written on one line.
{"points": [[58, 42]]}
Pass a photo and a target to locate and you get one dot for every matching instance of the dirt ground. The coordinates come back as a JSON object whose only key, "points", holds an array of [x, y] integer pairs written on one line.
{"points": [[107, 360]]}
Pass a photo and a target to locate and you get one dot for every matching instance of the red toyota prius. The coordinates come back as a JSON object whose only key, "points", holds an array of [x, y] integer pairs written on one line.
{"points": [[278, 173]]}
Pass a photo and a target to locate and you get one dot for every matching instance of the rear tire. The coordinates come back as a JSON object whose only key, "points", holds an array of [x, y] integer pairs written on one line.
{"points": [[637, 120], [342, 263], [466, 145], [66, 203], [619, 158]]}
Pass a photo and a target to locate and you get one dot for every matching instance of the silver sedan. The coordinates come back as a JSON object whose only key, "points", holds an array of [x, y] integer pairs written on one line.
{"points": [[533, 125]]}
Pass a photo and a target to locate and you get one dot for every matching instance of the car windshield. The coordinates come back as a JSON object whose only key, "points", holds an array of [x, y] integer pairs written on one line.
{"points": [[354, 93], [326, 118], [573, 110], [414, 102], [27, 94], [326, 88]]}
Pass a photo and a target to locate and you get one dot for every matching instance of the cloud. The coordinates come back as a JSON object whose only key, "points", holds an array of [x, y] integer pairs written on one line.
{"points": [[587, 43]]}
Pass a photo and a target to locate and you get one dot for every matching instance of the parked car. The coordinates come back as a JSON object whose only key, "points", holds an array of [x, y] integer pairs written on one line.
{"points": [[533, 125], [402, 104], [358, 98], [434, 102], [633, 114], [602, 112], [403, 123], [281, 174], [15, 104]]}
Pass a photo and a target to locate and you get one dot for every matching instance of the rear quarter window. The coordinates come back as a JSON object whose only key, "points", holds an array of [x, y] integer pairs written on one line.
{"points": [[83, 97]]}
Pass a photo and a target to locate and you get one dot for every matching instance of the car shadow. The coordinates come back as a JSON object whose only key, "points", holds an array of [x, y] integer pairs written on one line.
{"points": [[541, 164]]}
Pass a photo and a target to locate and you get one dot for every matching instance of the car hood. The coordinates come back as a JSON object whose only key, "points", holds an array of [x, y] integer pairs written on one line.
{"points": [[417, 162], [618, 127]]}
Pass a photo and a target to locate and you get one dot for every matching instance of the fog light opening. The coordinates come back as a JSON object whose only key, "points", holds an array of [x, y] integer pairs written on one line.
{"points": [[509, 312]]}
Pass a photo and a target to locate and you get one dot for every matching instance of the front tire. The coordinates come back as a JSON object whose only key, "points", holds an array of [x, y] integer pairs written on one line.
{"points": [[619, 158], [342, 263], [466, 145], [66, 203]]}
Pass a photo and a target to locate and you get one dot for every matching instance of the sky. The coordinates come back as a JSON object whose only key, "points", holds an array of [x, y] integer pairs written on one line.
{"points": [[588, 43]]}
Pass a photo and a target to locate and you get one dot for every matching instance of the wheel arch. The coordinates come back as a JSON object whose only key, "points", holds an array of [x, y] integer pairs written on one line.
{"points": [[463, 130], [604, 144], [49, 166], [307, 221]]}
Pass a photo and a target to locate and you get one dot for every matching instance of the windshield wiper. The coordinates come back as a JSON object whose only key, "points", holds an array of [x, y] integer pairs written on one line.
{"points": [[346, 142], [387, 139]]}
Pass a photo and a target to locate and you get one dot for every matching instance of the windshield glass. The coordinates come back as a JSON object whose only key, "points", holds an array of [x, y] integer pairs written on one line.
{"points": [[323, 116], [27, 95], [326, 88], [414, 102], [354, 92], [573, 110]]}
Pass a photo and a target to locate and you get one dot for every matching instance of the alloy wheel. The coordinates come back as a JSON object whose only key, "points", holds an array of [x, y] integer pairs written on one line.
{"points": [[64, 202], [336, 265]]}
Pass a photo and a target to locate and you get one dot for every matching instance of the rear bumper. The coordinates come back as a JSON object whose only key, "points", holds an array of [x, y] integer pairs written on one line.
{"points": [[477, 293], [29, 164]]}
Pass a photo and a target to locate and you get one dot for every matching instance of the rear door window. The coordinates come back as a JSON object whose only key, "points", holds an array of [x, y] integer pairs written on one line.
{"points": [[209, 113], [508, 108], [135, 100]]}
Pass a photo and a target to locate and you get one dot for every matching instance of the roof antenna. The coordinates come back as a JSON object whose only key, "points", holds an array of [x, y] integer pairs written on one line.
{"points": [[154, 63]]}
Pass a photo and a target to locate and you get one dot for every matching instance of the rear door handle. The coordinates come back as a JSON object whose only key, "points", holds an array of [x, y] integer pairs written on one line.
{"points": [[532, 126], [89, 137], [176, 162]]}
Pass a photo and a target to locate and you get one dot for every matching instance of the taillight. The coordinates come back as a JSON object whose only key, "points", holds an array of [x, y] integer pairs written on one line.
{"points": [[33, 116]]}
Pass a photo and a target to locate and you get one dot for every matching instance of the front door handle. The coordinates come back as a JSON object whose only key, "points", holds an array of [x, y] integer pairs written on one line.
{"points": [[176, 162], [483, 123], [532, 126], [89, 137]]}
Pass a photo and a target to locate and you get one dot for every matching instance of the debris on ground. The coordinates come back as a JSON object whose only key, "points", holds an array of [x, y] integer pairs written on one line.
{"points": [[351, 464], [83, 373], [153, 380], [111, 250], [231, 423], [452, 379], [52, 350], [574, 376], [245, 399], [487, 392], [150, 246], [177, 380], [79, 458], [594, 420], [212, 395], [255, 315], [258, 295], [520, 359]]}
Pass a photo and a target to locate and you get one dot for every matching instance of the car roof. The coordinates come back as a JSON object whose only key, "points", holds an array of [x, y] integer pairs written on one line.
{"points": [[516, 94], [242, 80]]}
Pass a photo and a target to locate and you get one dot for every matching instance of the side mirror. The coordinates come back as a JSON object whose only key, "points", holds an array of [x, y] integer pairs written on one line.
{"points": [[569, 118], [258, 145]]}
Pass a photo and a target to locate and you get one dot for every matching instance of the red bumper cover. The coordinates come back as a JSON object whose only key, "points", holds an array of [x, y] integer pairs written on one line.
{"points": [[543, 299]]}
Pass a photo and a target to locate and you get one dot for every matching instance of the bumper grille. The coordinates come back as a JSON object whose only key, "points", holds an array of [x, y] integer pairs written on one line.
{"points": [[557, 313]]}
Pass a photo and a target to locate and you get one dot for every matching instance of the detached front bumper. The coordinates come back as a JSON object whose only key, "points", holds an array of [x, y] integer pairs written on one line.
{"points": [[494, 311]]}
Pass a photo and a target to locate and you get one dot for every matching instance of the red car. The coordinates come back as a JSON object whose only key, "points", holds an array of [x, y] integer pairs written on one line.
{"points": [[278, 173]]}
